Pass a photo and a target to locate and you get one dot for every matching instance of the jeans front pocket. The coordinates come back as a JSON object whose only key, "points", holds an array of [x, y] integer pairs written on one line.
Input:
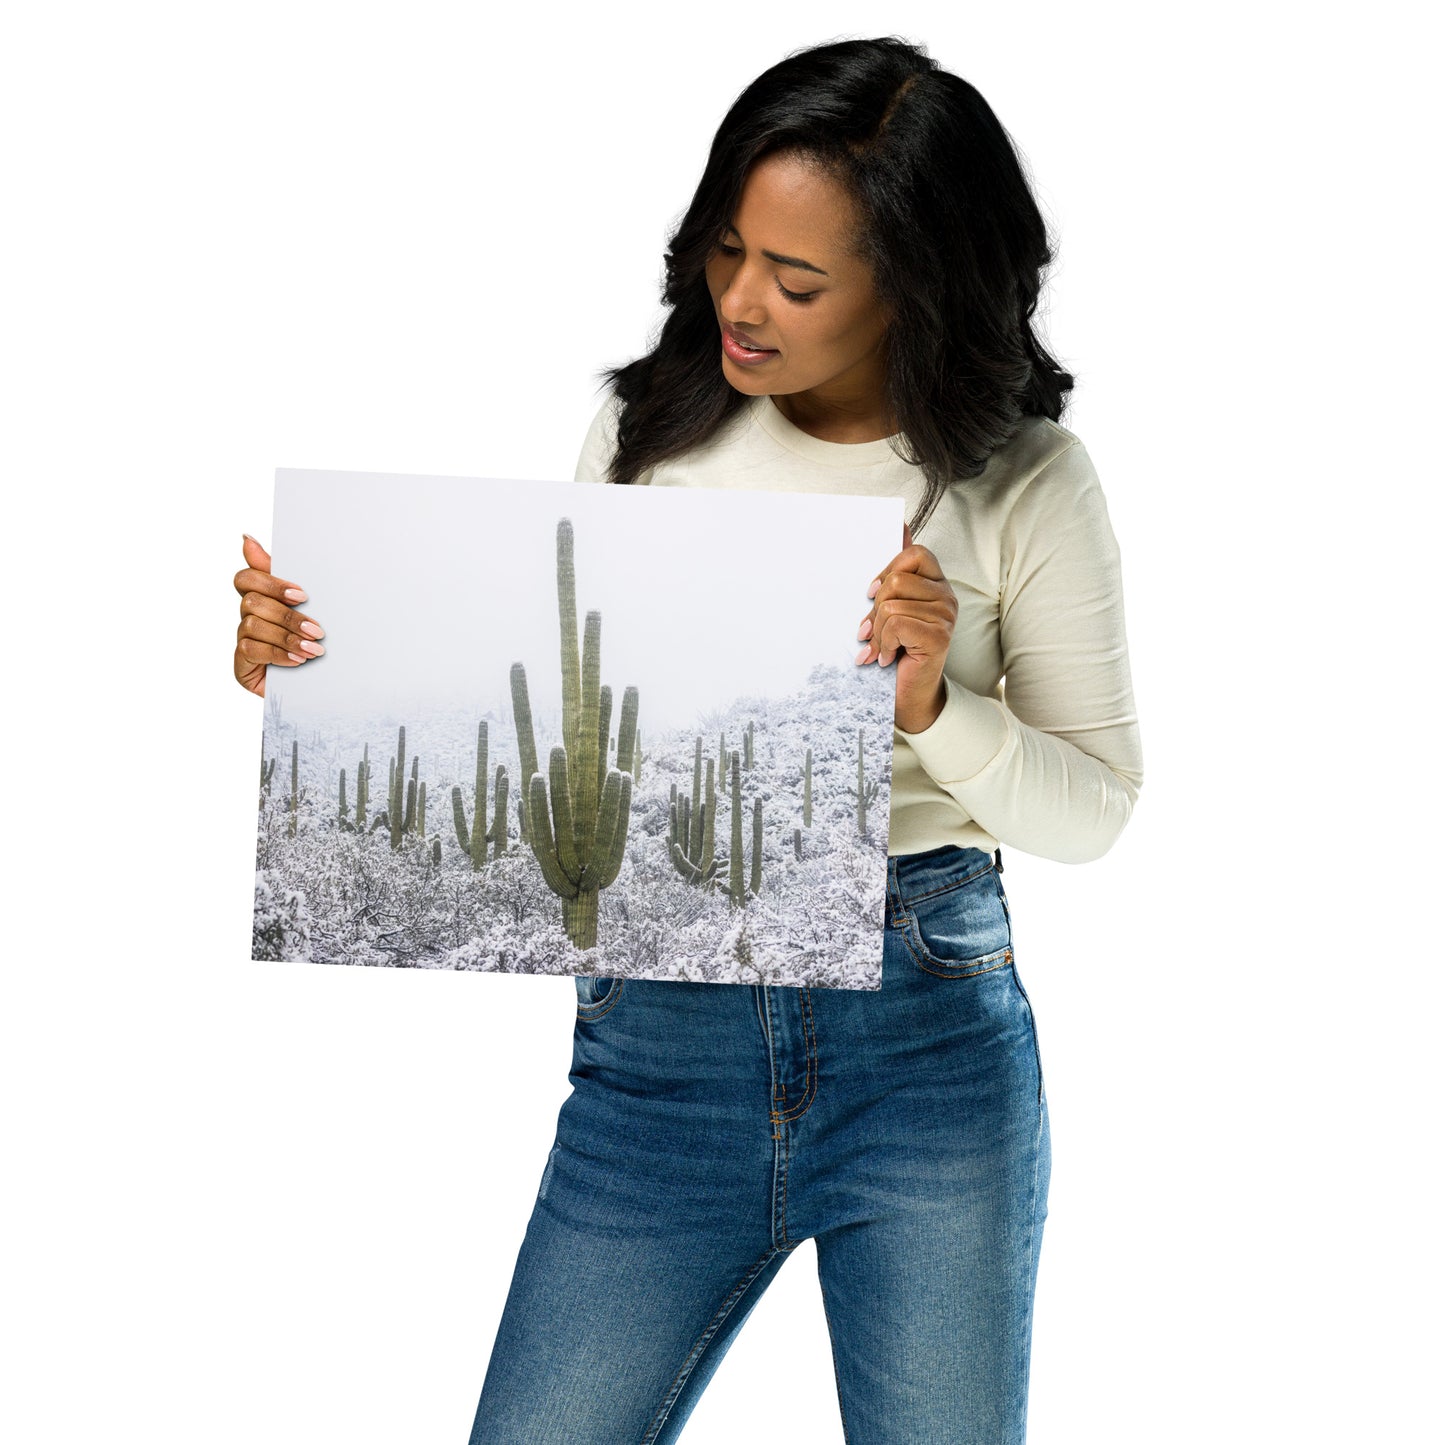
{"points": [[596, 994], [960, 928]]}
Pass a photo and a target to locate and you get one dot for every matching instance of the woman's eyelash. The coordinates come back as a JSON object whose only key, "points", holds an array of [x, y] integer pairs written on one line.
{"points": [[799, 296], [794, 295]]}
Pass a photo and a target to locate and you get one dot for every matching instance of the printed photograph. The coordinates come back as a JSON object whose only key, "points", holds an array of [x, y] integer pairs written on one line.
{"points": [[566, 728]]}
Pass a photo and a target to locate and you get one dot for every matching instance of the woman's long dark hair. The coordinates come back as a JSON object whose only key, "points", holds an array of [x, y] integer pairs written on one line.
{"points": [[950, 228]]}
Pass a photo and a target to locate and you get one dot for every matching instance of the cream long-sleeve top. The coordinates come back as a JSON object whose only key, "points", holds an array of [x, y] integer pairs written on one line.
{"points": [[1037, 746]]}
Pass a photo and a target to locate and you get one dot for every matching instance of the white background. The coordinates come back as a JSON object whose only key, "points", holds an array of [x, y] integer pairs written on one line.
{"points": [[282, 1203]]}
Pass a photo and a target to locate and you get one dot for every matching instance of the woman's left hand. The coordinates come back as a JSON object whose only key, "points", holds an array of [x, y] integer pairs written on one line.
{"points": [[914, 610]]}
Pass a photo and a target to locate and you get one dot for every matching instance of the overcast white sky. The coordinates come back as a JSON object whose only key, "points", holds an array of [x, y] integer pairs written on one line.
{"points": [[429, 588]]}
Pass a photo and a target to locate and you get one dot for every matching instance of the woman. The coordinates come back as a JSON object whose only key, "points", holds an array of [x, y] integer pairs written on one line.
{"points": [[849, 298]]}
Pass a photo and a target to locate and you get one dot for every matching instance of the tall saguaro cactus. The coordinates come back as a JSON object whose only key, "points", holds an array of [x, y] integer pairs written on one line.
{"points": [[295, 794], [808, 789], [363, 787], [692, 825], [406, 798], [577, 818], [474, 841], [736, 893], [866, 792], [268, 767]]}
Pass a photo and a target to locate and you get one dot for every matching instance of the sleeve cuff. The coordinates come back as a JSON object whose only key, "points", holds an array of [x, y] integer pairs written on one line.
{"points": [[963, 739]]}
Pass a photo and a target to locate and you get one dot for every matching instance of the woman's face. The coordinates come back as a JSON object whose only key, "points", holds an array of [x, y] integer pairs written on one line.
{"points": [[790, 234]]}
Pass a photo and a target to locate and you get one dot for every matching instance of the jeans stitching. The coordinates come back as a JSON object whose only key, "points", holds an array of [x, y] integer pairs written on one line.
{"points": [[590, 1011], [687, 1366], [1033, 1033], [810, 1087], [940, 968]]}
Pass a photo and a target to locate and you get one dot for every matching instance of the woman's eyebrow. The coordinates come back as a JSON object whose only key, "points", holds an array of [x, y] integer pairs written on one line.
{"points": [[800, 264]]}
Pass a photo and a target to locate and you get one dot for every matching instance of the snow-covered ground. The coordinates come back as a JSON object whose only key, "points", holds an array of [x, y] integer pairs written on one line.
{"points": [[331, 895]]}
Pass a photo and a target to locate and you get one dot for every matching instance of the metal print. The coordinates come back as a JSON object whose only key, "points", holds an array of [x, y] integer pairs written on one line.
{"points": [[565, 728]]}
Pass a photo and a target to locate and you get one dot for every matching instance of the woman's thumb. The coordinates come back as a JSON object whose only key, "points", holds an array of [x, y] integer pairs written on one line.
{"points": [[255, 554]]}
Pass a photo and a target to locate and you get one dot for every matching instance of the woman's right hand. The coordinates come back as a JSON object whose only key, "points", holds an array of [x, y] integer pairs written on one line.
{"points": [[271, 629]]}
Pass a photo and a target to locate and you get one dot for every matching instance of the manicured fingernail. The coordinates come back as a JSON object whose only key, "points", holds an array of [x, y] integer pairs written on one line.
{"points": [[863, 654], [866, 628], [294, 594], [873, 589], [295, 657], [314, 648], [312, 630]]}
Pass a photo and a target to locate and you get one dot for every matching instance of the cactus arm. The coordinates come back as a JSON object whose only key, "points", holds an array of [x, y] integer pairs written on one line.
{"points": [[692, 832], [589, 771], [612, 861], [409, 823], [459, 821], [499, 824], [604, 723], [542, 842], [627, 745], [601, 859], [526, 747], [477, 851], [688, 871], [709, 808], [562, 826]]}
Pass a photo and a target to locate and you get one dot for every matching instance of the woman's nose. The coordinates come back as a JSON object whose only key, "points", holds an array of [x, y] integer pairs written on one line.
{"points": [[741, 303]]}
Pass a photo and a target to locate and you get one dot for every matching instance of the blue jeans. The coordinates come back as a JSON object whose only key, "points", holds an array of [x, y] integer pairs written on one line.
{"points": [[712, 1128]]}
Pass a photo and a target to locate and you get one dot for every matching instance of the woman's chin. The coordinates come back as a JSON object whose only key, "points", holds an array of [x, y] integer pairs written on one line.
{"points": [[745, 381]]}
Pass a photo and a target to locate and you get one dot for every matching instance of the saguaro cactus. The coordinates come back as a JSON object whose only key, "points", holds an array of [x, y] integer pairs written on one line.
{"points": [[394, 815], [808, 790], [691, 825], [474, 841], [406, 803], [737, 895], [363, 787], [295, 795], [748, 747], [579, 839], [865, 793]]}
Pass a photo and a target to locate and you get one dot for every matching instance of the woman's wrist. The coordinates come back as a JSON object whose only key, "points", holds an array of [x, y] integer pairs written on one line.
{"points": [[919, 718]]}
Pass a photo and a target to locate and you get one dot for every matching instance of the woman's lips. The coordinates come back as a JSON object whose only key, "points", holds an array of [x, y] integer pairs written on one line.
{"points": [[740, 351]]}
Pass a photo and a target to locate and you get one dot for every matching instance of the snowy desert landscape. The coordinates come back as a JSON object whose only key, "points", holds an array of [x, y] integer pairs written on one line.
{"points": [[722, 817], [334, 887]]}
